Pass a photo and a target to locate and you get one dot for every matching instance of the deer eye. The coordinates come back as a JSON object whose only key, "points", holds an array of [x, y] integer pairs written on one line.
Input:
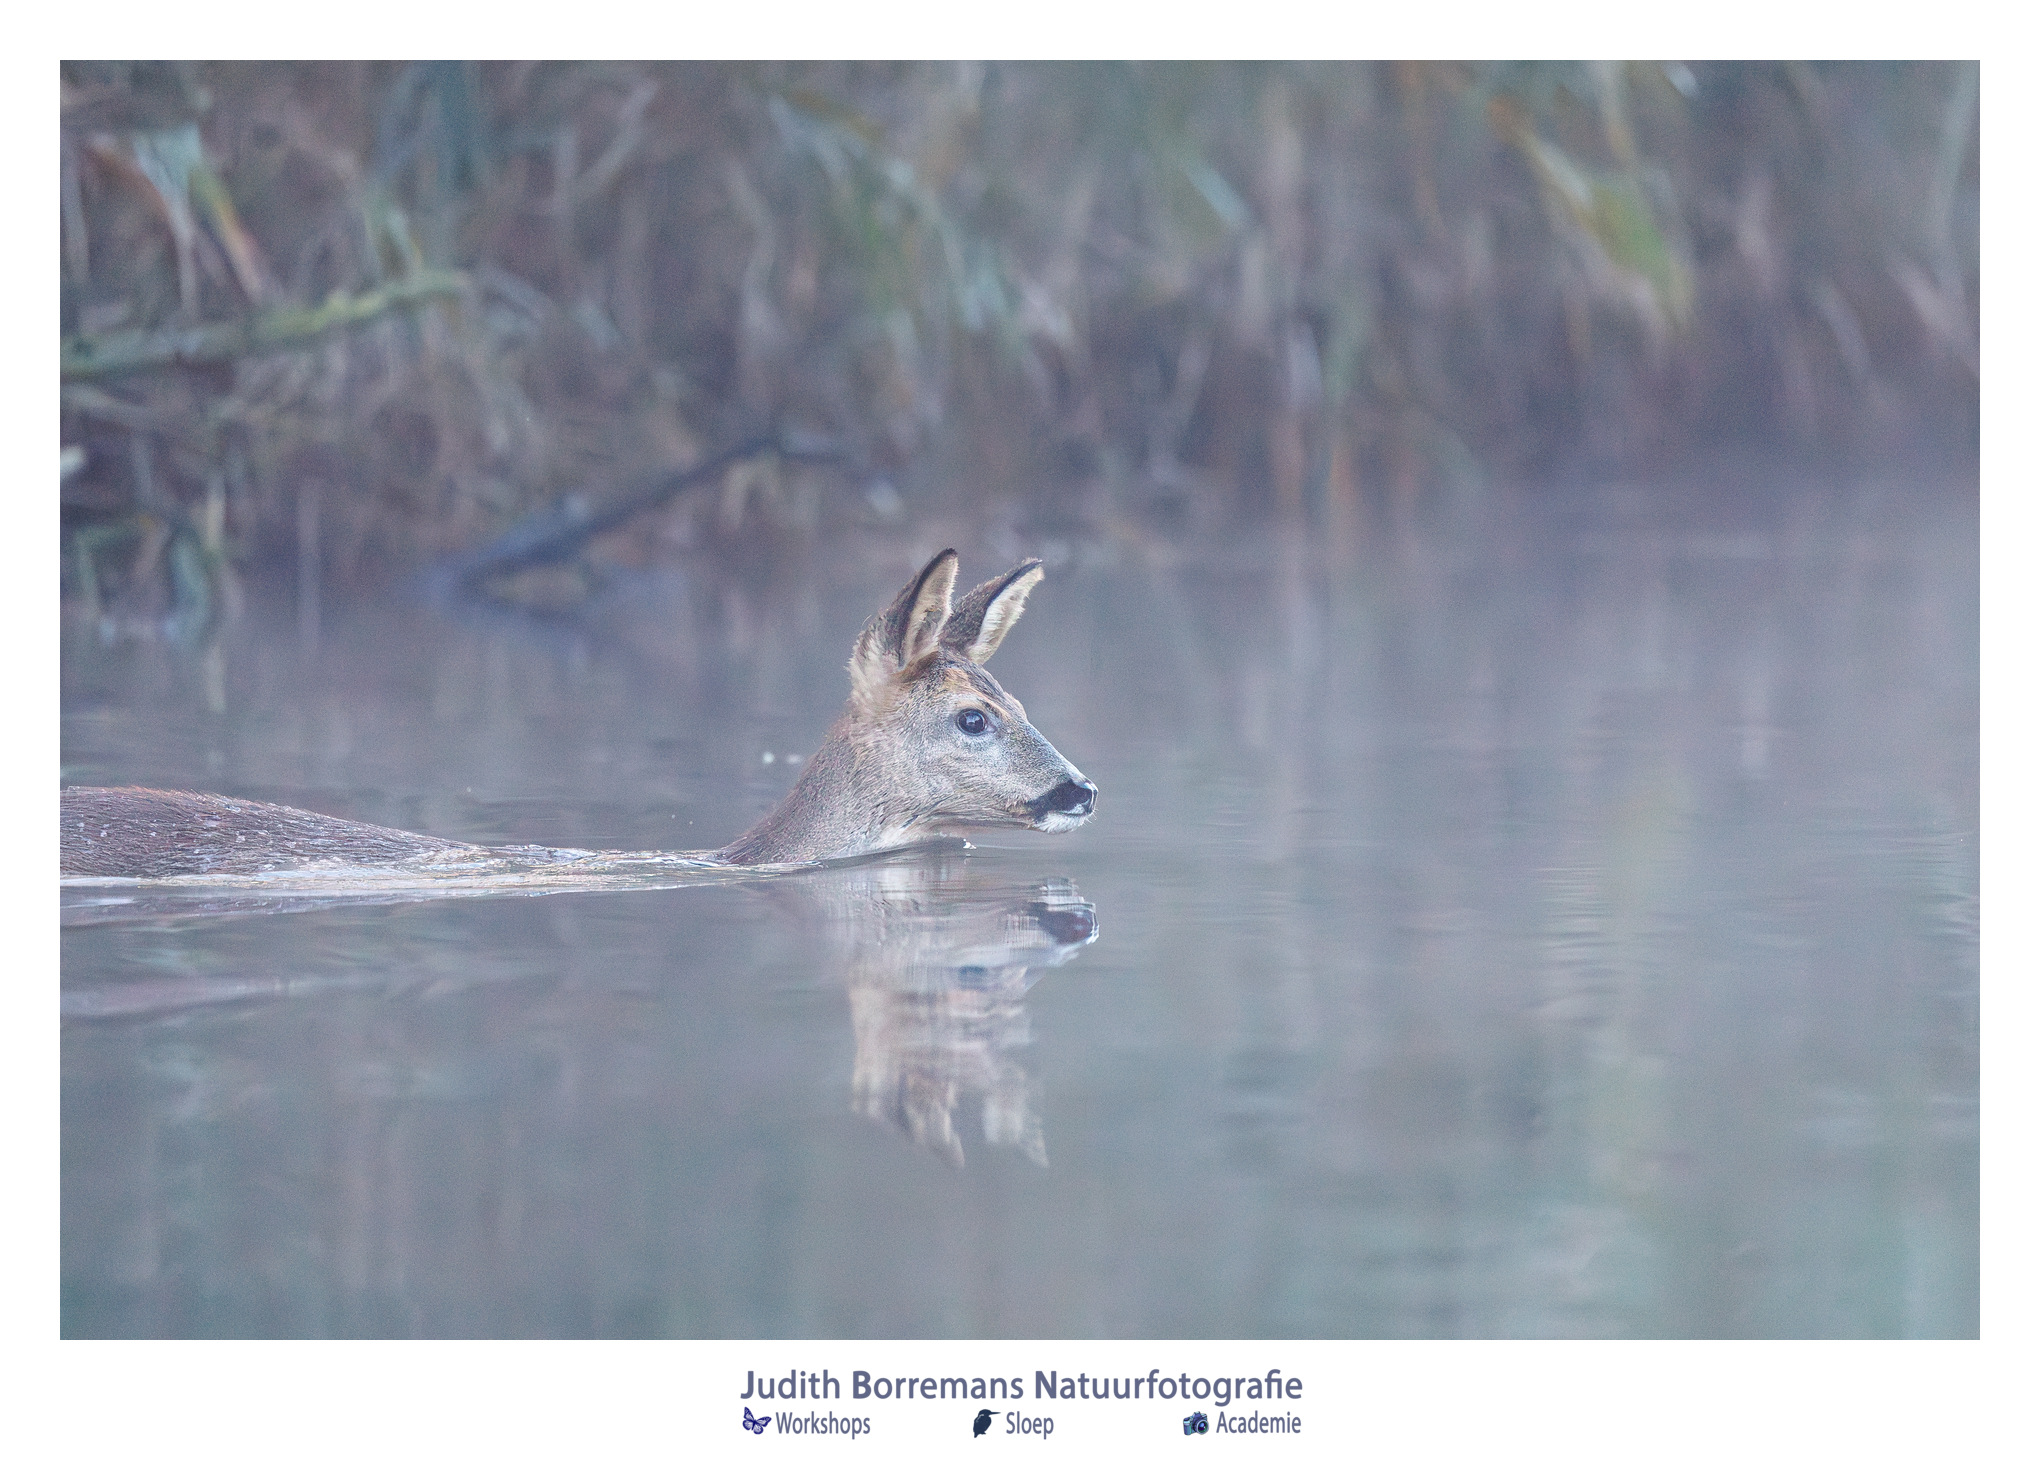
{"points": [[973, 722]]}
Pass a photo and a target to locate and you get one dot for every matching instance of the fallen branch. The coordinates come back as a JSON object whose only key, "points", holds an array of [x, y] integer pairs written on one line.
{"points": [[277, 329], [556, 533]]}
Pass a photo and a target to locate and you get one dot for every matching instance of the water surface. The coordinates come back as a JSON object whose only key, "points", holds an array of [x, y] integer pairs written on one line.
{"points": [[1567, 929]]}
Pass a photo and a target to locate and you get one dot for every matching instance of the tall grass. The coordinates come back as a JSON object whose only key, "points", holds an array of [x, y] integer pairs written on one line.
{"points": [[373, 312]]}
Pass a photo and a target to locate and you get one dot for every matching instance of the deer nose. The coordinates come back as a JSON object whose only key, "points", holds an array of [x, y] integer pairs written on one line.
{"points": [[1072, 797]]}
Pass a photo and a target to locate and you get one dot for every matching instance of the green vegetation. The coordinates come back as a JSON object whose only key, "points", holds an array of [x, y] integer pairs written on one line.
{"points": [[372, 313]]}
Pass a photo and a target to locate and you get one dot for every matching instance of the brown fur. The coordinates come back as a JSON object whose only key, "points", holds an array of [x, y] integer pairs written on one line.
{"points": [[894, 768], [134, 832]]}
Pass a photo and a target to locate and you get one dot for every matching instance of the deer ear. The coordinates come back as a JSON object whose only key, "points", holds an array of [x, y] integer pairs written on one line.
{"points": [[906, 632], [989, 611]]}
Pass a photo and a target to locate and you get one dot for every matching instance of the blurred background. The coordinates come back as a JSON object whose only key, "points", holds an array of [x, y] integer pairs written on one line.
{"points": [[1512, 545], [328, 321]]}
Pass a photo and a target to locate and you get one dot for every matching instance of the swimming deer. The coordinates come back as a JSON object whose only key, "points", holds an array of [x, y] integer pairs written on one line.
{"points": [[928, 744]]}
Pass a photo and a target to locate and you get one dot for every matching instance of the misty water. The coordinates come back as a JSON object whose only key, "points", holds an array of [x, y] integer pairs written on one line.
{"points": [[1561, 923]]}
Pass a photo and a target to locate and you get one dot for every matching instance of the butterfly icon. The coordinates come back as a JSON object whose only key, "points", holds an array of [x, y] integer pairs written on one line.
{"points": [[755, 1425]]}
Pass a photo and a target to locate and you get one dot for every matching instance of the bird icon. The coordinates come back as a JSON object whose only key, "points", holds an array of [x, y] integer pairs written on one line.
{"points": [[980, 1424]]}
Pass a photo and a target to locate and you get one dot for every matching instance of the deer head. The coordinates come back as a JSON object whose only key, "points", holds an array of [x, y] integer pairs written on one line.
{"points": [[929, 743]]}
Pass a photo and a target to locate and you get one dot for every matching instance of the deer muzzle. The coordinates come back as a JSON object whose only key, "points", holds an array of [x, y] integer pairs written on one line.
{"points": [[1064, 807]]}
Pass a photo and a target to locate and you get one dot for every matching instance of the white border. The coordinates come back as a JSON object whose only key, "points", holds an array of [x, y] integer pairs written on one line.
{"points": [[1451, 1403]]}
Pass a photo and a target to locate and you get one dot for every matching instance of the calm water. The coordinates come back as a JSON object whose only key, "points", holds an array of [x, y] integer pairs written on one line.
{"points": [[1569, 930]]}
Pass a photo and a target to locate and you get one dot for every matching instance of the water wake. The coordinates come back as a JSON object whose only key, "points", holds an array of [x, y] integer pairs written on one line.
{"points": [[454, 873]]}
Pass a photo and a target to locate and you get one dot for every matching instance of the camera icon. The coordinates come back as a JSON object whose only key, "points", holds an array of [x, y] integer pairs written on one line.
{"points": [[1196, 1424]]}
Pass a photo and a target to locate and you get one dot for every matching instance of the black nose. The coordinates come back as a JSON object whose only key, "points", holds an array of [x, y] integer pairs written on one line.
{"points": [[1073, 797]]}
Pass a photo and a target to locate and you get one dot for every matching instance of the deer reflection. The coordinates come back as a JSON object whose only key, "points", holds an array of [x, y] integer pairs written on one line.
{"points": [[937, 954]]}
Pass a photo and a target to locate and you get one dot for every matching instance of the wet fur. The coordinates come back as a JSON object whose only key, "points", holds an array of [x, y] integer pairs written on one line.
{"points": [[134, 832], [894, 766]]}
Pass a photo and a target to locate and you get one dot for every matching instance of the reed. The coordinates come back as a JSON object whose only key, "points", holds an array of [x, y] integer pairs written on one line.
{"points": [[431, 299]]}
